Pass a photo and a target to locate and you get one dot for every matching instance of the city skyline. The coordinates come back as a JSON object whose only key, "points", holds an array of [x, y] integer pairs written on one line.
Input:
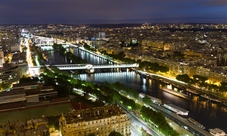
{"points": [[177, 69], [110, 12]]}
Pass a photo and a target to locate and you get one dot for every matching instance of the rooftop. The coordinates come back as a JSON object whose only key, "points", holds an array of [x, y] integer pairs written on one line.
{"points": [[92, 113], [12, 92], [25, 84]]}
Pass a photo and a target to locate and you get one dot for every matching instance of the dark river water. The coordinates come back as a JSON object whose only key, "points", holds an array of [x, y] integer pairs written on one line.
{"points": [[210, 114]]}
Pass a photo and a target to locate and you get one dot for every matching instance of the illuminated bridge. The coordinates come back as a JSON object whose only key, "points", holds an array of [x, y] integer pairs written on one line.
{"points": [[47, 43], [89, 67]]}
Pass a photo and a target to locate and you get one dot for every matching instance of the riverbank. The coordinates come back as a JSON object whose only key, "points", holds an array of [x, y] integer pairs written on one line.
{"points": [[175, 93], [189, 88]]}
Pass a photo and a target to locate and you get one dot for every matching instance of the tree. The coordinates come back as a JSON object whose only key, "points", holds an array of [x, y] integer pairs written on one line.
{"points": [[223, 87], [53, 121], [163, 69], [184, 78], [153, 66], [129, 102], [199, 78], [147, 100], [178, 55], [159, 119], [24, 49], [4, 86], [121, 54], [91, 134], [114, 133], [28, 79]]}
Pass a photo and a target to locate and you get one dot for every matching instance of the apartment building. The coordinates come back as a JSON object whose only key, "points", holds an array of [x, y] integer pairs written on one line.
{"points": [[99, 121]]}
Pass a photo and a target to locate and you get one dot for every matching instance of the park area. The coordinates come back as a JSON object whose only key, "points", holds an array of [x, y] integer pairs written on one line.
{"points": [[36, 112]]}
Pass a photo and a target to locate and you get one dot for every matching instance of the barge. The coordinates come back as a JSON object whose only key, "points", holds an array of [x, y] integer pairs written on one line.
{"points": [[175, 93], [196, 123], [217, 132], [210, 98], [176, 109]]}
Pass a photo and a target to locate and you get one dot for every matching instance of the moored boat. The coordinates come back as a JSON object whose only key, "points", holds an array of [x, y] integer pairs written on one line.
{"points": [[196, 123], [217, 132], [210, 98], [153, 99], [176, 109]]}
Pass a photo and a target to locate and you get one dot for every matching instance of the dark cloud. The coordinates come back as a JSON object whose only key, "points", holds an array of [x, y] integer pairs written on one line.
{"points": [[112, 11], [215, 2]]}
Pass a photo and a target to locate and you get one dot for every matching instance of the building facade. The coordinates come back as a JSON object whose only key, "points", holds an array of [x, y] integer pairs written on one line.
{"points": [[1, 59], [10, 75], [100, 121]]}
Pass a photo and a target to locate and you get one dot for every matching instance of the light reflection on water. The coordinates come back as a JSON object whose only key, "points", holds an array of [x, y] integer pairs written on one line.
{"points": [[211, 115]]}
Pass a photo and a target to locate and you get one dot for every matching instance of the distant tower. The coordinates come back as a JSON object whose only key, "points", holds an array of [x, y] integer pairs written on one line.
{"points": [[102, 35]]}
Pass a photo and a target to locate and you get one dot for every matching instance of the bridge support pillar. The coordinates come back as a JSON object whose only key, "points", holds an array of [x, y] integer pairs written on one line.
{"points": [[90, 71]]}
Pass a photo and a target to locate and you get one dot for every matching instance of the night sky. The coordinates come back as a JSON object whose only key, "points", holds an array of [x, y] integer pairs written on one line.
{"points": [[112, 11]]}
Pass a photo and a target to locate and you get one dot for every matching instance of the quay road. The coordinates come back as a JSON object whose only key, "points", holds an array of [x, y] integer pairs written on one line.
{"points": [[137, 123], [159, 76], [181, 121]]}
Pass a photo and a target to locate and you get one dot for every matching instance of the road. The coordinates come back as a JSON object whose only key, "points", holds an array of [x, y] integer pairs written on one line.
{"points": [[181, 121], [29, 56]]}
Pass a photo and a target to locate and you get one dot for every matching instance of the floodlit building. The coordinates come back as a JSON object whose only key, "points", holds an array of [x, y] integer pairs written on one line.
{"points": [[1, 59], [98, 121]]}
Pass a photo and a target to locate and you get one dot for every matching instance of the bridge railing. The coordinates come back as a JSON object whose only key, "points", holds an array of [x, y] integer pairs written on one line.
{"points": [[87, 66]]}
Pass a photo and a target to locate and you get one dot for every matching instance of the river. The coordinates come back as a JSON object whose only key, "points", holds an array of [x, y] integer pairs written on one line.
{"points": [[210, 114]]}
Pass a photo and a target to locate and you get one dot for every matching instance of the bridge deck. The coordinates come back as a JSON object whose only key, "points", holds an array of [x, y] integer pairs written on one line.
{"points": [[87, 66]]}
